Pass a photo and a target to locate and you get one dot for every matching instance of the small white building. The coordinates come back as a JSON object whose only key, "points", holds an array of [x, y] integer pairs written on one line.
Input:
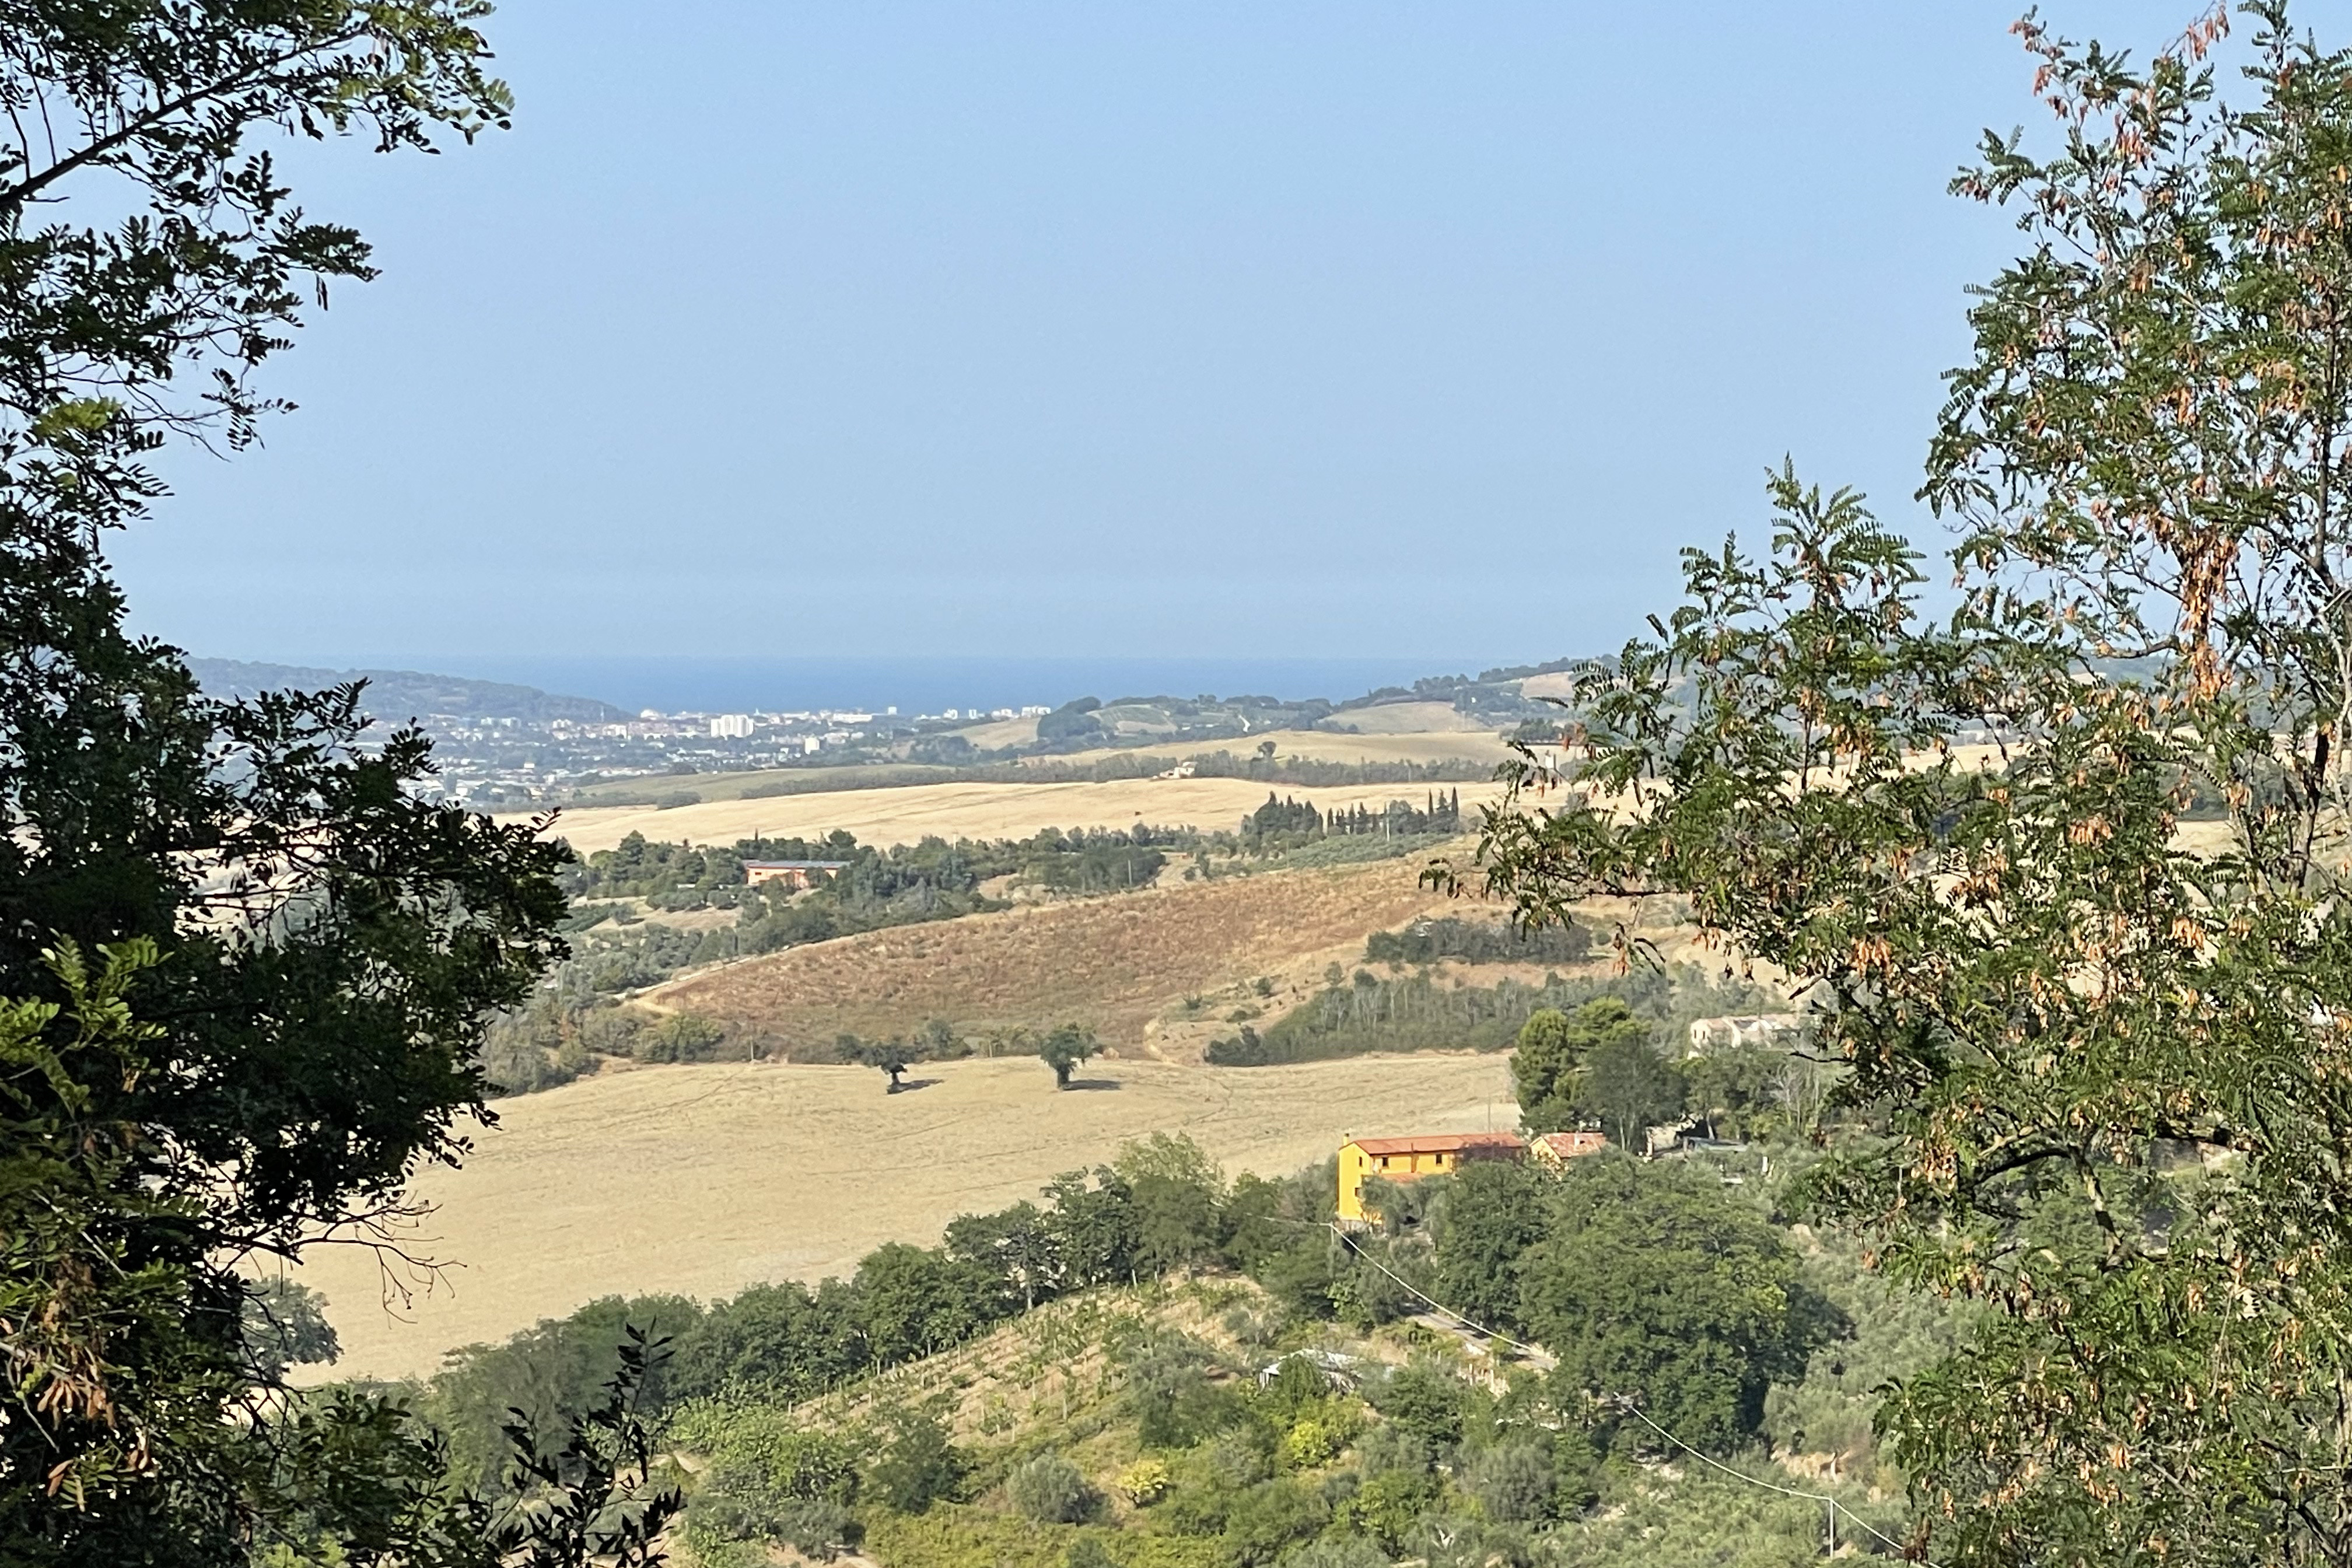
{"points": [[1742, 1029]]}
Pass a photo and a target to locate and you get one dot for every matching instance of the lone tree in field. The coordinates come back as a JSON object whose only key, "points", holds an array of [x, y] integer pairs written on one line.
{"points": [[1064, 1048], [894, 1057], [244, 965], [2102, 1073]]}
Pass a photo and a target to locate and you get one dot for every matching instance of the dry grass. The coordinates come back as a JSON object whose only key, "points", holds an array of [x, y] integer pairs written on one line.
{"points": [[1120, 964], [1483, 746], [1408, 719], [967, 811], [702, 1180], [998, 733]]}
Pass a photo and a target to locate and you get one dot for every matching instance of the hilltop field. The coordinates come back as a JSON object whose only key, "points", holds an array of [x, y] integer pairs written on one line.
{"points": [[702, 1180]]}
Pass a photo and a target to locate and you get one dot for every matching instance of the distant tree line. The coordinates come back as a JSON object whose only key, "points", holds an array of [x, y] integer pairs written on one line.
{"points": [[1362, 1013], [1290, 819], [951, 758], [1479, 941]]}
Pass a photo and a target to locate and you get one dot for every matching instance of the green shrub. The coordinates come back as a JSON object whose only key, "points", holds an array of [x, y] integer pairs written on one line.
{"points": [[1308, 1445], [765, 1441], [1144, 1482], [1389, 1447], [1514, 1481], [1340, 1551], [917, 1466], [1423, 1399], [1240, 1457], [1386, 1507], [1049, 1490], [1269, 1518]]}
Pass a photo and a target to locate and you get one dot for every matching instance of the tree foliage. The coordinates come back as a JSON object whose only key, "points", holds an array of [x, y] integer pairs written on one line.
{"points": [[1547, 1067], [1065, 1048], [1652, 1288], [245, 963], [2050, 1003]]}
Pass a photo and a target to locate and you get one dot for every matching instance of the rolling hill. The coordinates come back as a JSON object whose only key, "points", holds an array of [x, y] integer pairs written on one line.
{"points": [[1122, 964]]}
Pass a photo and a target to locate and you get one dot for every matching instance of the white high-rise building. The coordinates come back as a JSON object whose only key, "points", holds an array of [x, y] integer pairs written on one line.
{"points": [[732, 727]]}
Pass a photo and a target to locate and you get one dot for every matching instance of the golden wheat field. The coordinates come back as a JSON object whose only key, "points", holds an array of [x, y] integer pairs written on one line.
{"points": [[1469, 745], [702, 1180], [1122, 963], [951, 811]]}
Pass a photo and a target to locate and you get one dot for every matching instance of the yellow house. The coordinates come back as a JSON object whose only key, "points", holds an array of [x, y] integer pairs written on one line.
{"points": [[1409, 1159]]}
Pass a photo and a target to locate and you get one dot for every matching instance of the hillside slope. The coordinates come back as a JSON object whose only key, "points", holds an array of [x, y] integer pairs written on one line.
{"points": [[398, 695], [1122, 964]]}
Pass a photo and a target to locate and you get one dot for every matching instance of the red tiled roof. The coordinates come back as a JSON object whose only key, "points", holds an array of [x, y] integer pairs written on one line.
{"points": [[1439, 1143], [1568, 1145]]}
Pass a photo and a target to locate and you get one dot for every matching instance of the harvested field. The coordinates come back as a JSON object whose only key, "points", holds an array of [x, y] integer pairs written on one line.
{"points": [[1482, 746], [1408, 718], [903, 815], [1118, 964], [702, 1180]]}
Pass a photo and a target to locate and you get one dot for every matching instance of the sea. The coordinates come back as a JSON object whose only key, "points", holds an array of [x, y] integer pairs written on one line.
{"points": [[926, 685]]}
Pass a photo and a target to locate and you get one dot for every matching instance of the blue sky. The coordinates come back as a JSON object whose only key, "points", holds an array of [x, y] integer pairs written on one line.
{"points": [[1010, 329]]}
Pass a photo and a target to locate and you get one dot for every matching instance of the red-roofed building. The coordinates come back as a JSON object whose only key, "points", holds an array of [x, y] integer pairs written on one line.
{"points": [[1556, 1148], [1409, 1159]]}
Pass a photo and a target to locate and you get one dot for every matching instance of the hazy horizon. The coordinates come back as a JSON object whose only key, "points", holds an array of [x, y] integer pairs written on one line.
{"points": [[915, 684]]}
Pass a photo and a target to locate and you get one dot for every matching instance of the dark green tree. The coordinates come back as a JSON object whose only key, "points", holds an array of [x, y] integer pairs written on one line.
{"points": [[1486, 1216], [285, 1326], [916, 1301], [1655, 1290], [1064, 1048], [893, 1056], [1629, 1088], [247, 962], [1423, 1399], [1016, 1245], [1548, 1064], [1545, 1071], [918, 1465]]}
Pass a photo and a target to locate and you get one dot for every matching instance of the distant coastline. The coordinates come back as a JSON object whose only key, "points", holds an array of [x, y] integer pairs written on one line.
{"points": [[914, 684]]}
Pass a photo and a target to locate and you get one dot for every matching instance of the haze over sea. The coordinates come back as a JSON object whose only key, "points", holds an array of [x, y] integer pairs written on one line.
{"points": [[921, 685]]}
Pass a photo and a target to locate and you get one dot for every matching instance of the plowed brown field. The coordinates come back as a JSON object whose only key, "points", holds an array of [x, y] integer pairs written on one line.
{"points": [[1122, 964]]}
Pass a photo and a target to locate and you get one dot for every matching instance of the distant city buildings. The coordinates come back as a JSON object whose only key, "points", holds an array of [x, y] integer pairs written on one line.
{"points": [[732, 727]]}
